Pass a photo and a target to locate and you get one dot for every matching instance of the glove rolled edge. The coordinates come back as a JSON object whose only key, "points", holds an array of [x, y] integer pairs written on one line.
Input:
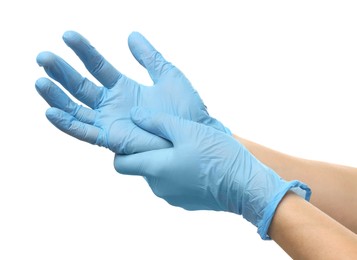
{"points": [[297, 187]]}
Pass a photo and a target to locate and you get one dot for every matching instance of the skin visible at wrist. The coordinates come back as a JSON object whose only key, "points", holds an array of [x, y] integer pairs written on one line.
{"points": [[333, 186], [305, 232]]}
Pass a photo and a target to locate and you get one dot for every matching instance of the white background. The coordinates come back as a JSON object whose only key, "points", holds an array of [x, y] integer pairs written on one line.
{"points": [[281, 73]]}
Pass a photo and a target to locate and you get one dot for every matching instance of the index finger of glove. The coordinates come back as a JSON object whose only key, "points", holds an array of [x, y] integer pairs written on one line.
{"points": [[96, 64]]}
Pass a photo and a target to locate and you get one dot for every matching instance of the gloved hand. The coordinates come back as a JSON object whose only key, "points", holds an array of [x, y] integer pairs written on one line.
{"points": [[206, 170], [107, 120]]}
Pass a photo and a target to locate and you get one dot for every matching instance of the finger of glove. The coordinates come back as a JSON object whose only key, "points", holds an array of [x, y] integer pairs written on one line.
{"points": [[71, 126], [148, 56], [164, 125], [135, 140], [144, 164], [80, 87], [55, 97], [96, 64]]}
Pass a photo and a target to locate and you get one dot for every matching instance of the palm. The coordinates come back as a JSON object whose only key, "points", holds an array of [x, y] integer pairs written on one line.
{"points": [[107, 120]]}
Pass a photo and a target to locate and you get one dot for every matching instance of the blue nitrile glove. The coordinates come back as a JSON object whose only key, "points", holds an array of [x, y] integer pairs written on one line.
{"points": [[207, 170], [107, 120]]}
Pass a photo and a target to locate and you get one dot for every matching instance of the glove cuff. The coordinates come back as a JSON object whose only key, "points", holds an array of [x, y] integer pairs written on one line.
{"points": [[297, 187]]}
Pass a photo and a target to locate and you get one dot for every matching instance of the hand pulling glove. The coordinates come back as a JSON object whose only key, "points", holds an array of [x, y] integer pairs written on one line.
{"points": [[207, 170]]}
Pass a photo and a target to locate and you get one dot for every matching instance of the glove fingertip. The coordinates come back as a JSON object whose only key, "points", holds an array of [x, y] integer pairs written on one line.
{"points": [[71, 37], [41, 84], [136, 42], [52, 114], [44, 58], [75, 40], [135, 36]]}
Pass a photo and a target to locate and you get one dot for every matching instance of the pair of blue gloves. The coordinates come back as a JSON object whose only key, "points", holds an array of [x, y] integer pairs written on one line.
{"points": [[162, 132]]}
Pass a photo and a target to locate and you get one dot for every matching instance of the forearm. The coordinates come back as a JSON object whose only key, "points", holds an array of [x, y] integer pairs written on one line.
{"points": [[311, 234], [334, 187]]}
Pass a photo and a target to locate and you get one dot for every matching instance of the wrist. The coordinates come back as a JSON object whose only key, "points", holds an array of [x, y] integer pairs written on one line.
{"points": [[297, 187], [257, 191]]}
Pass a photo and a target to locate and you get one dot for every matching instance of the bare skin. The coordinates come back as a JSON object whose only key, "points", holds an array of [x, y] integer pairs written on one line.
{"points": [[334, 186], [310, 234]]}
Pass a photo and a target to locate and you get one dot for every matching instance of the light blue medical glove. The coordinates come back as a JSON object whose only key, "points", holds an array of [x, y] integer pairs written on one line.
{"points": [[106, 121], [207, 170]]}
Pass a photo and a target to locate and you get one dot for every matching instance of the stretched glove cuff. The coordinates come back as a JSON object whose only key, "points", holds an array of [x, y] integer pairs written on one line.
{"points": [[296, 186]]}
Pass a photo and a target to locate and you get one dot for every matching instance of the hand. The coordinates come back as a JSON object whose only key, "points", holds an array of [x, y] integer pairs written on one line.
{"points": [[106, 121], [206, 170]]}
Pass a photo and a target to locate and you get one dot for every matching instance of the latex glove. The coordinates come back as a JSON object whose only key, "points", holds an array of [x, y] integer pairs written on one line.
{"points": [[207, 170], [107, 120]]}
